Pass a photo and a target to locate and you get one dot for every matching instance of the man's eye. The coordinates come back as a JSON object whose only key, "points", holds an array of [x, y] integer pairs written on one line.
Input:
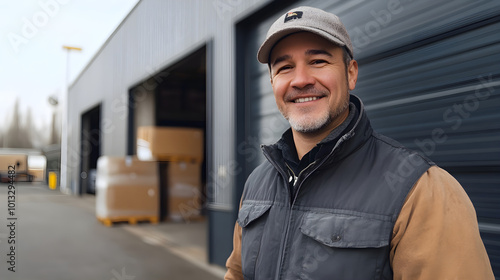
{"points": [[283, 68], [318, 61]]}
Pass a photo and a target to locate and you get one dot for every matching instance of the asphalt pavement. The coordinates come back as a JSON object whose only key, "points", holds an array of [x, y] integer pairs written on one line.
{"points": [[57, 236]]}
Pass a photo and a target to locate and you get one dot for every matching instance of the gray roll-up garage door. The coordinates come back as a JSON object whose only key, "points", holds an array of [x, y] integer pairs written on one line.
{"points": [[429, 75]]}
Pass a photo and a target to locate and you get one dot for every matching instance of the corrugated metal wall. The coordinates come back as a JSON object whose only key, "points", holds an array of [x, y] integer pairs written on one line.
{"points": [[429, 76], [157, 34]]}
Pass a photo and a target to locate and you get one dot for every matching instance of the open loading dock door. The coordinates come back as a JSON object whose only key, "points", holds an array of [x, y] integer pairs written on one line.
{"points": [[90, 149], [172, 97]]}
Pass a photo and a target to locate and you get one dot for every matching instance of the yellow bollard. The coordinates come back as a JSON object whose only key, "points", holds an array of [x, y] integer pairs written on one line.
{"points": [[52, 180]]}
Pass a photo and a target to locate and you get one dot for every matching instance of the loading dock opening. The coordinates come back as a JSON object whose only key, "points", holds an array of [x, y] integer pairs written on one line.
{"points": [[172, 97], [90, 149]]}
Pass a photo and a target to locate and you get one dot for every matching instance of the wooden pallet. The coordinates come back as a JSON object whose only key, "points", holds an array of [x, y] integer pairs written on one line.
{"points": [[130, 220]]}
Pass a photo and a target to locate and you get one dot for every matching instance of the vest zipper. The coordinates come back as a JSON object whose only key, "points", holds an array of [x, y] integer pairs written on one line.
{"points": [[302, 171], [293, 198], [292, 177], [296, 178]]}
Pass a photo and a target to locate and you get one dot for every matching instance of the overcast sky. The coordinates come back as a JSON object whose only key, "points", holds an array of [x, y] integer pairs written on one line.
{"points": [[32, 59]]}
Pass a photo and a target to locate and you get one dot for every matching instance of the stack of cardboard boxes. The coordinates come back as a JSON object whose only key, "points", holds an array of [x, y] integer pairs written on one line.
{"points": [[126, 190], [167, 170], [181, 149]]}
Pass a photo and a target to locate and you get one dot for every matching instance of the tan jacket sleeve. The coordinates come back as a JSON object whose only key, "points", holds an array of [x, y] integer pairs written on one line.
{"points": [[233, 263], [436, 235]]}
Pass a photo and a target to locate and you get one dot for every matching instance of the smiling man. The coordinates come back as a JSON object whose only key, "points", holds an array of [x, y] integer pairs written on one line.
{"points": [[336, 200]]}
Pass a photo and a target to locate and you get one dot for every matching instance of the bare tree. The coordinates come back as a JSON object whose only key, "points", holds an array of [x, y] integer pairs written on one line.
{"points": [[16, 135]]}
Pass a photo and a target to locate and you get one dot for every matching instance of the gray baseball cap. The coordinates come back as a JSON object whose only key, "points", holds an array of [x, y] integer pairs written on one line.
{"points": [[308, 19]]}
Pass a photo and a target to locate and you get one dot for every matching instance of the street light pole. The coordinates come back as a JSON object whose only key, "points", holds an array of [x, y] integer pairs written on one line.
{"points": [[64, 131]]}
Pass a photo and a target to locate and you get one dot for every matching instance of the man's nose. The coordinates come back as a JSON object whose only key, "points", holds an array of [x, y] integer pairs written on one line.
{"points": [[302, 77]]}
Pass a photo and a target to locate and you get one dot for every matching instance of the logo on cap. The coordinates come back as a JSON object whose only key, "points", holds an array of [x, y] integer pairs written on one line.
{"points": [[293, 15]]}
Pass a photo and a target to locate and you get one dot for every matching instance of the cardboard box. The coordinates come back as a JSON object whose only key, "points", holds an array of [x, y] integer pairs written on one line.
{"points": [[126, 188], [184, 191], [170, 143]]}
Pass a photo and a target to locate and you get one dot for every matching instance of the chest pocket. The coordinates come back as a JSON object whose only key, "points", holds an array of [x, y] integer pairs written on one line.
{"points": [[346, 246], [251, 218]]}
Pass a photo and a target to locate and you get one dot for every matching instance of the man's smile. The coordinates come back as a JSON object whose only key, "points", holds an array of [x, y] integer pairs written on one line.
{"points": [[306, 99]]}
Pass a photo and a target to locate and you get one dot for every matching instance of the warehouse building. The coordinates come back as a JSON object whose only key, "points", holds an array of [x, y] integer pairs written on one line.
{"points": [[428, 75]]}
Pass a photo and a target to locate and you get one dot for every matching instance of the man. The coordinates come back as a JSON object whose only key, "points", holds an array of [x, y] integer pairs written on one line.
{"points": [[335, 200]]}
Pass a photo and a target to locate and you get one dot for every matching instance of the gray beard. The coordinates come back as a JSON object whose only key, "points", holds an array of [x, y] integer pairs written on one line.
{"points": [[309, 125]]}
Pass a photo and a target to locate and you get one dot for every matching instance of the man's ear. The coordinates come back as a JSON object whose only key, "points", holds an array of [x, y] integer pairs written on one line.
{"points": [[352, 74]]}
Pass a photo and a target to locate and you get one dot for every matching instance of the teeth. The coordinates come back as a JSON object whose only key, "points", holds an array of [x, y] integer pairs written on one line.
{"points": [[306, 99]]}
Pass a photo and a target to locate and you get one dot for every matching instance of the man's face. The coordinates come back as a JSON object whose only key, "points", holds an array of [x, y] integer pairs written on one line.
{"points": [[310, 83]]}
